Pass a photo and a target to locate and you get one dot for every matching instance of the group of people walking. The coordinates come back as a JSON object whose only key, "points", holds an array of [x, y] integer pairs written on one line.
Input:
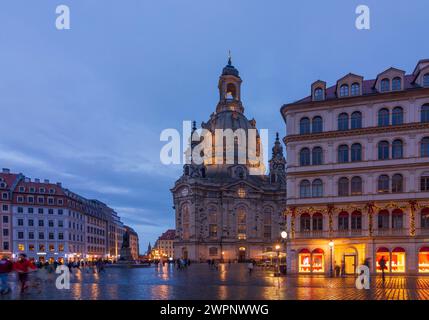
{"points": [[24, 267]]}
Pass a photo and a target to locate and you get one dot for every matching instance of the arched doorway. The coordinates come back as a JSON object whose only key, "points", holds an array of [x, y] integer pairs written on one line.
{"points": [[184, 253], [350, 259], [241, 254]]}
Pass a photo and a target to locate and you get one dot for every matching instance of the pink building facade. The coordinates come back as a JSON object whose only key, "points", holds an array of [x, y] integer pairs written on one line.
{"points": [[358, 174]]}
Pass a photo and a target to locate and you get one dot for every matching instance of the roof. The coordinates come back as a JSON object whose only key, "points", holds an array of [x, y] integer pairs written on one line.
{"points": [[9, 178], [168, 235], [367, 89]]}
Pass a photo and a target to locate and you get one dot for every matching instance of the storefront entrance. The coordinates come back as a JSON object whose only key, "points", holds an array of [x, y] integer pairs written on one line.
{"points": [[350, 264], [242, 254]]}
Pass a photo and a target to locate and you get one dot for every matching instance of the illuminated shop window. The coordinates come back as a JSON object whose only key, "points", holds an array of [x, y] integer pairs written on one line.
{"points": [[424, 260], [398, 260], [382, 253], [20, 247], [304, 259], [318, 260]]}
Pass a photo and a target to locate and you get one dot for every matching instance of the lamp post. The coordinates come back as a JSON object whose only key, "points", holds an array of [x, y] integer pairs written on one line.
{"points": [[331, 246], [277, 261], [283, 234]]}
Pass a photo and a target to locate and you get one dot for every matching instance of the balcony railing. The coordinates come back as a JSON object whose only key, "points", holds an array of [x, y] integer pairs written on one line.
{"points": [[350, 233], [391, 232]]}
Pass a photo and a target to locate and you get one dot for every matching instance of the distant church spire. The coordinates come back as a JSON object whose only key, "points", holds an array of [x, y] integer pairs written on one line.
{"points": [[229, 58], [277, 162]]}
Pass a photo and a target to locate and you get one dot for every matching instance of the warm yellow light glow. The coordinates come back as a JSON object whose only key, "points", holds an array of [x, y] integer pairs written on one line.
{"points": [[331, 243], [277, 247], [284, 234]]}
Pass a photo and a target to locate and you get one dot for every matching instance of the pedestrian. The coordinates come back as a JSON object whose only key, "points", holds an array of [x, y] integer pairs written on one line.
{"points": [[23, 267], [382, 264], [250, 267], [6, 267], [343, 268]]}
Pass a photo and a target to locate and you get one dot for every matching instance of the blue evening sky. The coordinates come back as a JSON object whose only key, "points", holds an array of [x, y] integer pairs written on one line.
{"points": [[86, 106]]}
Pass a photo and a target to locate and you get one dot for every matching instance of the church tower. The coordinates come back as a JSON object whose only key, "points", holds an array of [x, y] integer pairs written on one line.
{"points": [[230, 90]]}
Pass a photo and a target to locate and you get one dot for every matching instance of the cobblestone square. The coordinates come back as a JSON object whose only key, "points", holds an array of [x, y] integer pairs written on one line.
{"points": [[229, 282]]}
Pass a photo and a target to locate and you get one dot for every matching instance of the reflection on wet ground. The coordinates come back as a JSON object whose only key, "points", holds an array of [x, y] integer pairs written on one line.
{"points": [[229, 282]]}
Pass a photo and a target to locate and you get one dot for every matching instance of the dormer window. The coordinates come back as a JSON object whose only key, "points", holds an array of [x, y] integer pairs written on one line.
{"points": [[355, 89], [385, 85], [396, 84], [318, 94], [344, 90], [426, 80]]}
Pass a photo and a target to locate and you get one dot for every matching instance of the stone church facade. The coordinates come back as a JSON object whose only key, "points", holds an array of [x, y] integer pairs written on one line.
{"points": [[222, 211]]}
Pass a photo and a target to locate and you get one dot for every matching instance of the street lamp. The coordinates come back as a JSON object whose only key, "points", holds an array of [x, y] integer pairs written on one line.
{"points": [[283, 234], [277, 261], [331, 246]]}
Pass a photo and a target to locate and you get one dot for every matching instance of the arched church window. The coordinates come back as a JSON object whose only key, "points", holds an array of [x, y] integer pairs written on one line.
{"points": [[185, 221], [241, 224]]}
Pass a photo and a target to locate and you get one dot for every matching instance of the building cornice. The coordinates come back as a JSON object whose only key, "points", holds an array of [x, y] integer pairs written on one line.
{"points": [[356, 100], [353, 132]]}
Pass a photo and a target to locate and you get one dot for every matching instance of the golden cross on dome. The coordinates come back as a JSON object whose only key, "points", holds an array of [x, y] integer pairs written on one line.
{"points": [[229, 58]]}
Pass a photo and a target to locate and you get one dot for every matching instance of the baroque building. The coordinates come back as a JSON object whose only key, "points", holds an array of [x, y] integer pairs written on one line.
{"points": [[224, 210], [358, 174]]}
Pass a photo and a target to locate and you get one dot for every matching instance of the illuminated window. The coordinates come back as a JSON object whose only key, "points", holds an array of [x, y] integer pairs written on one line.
{"points": [[31, 247], [382, 254], [241, 224], [213, 230], [398, 260], [424, 260], [21, 247], [304, 259], [318, 261], [241, 192], [61, 248], [51, 248]]}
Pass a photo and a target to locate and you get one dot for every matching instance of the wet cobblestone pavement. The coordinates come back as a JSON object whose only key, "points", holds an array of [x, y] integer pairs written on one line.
{"points": [[229, 282]]}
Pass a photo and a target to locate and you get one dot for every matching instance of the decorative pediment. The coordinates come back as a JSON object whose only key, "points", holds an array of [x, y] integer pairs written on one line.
{"points": [[384, 81], [349, 85], [318, 90]]}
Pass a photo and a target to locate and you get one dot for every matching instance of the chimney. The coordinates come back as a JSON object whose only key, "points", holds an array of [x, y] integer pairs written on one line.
{"points": [[6, 170], [27, 179], [46, 180], [37, 180], [59, 184]]}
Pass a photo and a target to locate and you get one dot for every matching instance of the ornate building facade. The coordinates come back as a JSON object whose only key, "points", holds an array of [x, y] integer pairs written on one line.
{"points": [[222, 211], [358, 174]]}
